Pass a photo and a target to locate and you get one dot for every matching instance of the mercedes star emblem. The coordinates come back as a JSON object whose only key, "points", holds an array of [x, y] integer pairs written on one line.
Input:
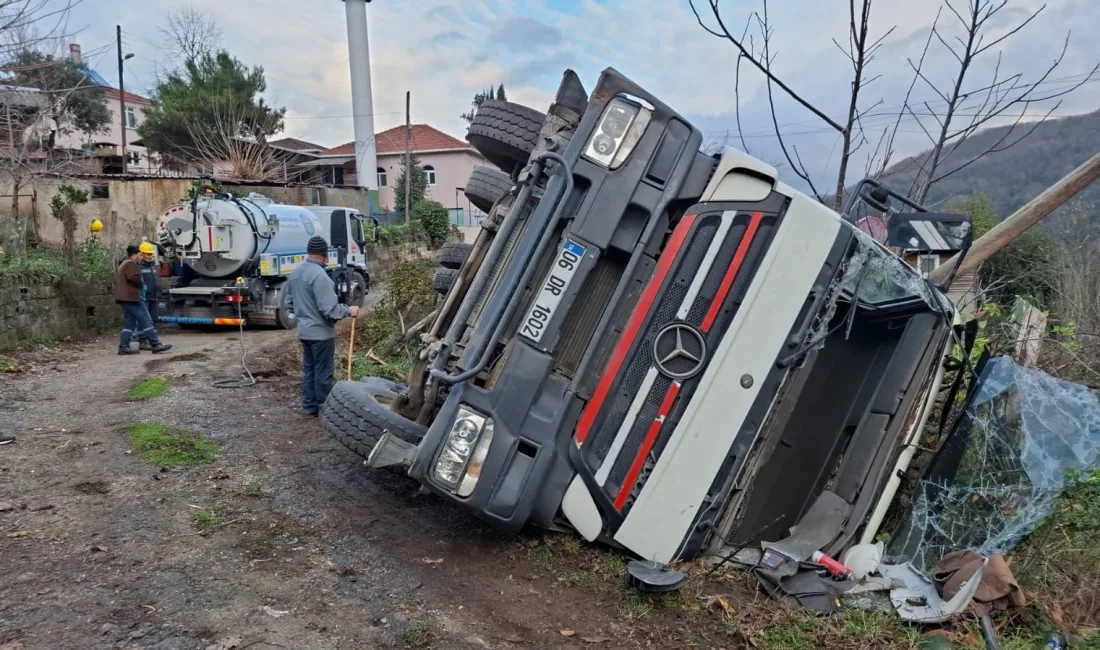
{"points": [[679, 351]]}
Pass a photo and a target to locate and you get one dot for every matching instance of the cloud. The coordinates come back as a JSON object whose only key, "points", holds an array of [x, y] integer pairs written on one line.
{"points": [[522, 34], [445, 51]]}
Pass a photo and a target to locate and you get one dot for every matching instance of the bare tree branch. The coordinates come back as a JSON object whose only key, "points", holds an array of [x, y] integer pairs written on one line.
{"points": [[192, 33], [764, 66]]}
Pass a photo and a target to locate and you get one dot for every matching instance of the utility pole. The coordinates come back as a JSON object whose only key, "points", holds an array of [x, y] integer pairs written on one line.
{"points": [[1018, 222], [408, 157], [121, 96]]}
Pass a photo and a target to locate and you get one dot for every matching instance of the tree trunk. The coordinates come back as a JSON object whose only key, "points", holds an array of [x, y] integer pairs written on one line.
{"points": [[68, 223]]}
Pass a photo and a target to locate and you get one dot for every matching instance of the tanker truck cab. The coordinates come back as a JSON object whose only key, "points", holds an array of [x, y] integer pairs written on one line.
{"points": [[242, 251], [351, 233], [667, 351]]}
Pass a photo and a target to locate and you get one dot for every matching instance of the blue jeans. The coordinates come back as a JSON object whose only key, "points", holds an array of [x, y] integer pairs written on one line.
{"points": [[318, 367], [138, 324], [154, 315]]}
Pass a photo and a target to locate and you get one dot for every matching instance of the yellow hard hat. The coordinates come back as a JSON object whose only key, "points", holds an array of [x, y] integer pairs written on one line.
{"points": [[96, 226], [147, 248]]}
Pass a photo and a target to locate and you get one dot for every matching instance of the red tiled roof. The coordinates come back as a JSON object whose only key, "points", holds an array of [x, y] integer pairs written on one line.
{"points": [[130, 97], [390, 141], [873, 226]]}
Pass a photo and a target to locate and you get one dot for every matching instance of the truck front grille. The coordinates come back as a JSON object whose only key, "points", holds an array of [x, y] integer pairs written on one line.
{"points": [[592, 300], [634, 411]]}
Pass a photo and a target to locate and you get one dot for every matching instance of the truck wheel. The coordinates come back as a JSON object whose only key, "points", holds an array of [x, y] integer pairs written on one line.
{"points": [[485, 186], [357, 414], [453, 254], [357, 293], [505, 133], [443, 280], [284, 317]]}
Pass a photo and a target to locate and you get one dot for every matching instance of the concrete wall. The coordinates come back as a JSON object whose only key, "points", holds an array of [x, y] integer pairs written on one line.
{"points": [[38, 309], [134, 205]]}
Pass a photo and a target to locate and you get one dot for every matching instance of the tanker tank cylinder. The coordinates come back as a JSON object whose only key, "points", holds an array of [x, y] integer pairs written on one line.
{"points": [[228, 237]]}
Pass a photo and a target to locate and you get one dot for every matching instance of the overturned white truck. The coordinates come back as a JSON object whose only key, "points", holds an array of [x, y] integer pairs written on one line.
{"points": [[662, 349]]}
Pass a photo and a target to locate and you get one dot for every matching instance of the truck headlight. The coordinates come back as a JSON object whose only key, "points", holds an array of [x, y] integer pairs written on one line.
{"points": [[621, 126], [464, 451]]}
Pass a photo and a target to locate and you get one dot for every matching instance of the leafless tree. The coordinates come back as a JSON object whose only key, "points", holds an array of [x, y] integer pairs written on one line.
{"points": [[191, 33], [967, 107], [964, 108], [860, 51], [221, 148], [28, 124], [27, 24]]}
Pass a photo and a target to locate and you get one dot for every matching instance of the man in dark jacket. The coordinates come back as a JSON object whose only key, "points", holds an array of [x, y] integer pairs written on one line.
{"points": [[312, 297], [129, 290]]}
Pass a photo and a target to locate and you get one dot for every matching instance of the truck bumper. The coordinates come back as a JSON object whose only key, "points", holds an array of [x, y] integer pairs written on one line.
{"points": [[525, 472]]}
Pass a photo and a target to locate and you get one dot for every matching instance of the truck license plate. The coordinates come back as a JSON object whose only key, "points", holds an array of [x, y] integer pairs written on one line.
{"points": [[557, 282]]}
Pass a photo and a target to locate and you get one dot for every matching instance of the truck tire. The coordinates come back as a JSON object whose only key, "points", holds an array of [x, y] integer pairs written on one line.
{"points": [[453, 254], [358, 292], [357, 415], [443, 280], [485, 186], [284, 317], [505, 133]]}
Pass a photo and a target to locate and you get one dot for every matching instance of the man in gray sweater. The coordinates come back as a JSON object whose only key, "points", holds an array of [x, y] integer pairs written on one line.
{"points": [[312, 297]]}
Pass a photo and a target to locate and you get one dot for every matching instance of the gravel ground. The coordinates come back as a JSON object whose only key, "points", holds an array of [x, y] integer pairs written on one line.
{"points": [[302, 547]]}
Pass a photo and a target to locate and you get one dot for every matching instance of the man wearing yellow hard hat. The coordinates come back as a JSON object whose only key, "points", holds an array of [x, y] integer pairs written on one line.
{"points": [[130, 295]]}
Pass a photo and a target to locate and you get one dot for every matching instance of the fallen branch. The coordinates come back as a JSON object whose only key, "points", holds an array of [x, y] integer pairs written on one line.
{"points": [[419, 325]]}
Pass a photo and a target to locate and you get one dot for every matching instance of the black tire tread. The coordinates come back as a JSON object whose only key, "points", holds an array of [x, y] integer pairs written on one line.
{"points": [[354, 417], [453, 254], [443, 280], [505, 133], [485, 186]]}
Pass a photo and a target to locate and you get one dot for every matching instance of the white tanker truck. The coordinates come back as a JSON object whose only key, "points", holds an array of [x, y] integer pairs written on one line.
{"points": [[242, 250]]}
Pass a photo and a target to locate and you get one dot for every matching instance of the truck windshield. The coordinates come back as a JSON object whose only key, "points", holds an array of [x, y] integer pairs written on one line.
{"points": [[357, 229], [877, 277]]}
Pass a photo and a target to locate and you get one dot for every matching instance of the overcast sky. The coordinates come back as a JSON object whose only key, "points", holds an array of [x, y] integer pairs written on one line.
{"points": [[443, 51]]}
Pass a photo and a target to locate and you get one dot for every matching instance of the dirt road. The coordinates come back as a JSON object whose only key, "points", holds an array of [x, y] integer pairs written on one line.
{"points": [[284, 541]]}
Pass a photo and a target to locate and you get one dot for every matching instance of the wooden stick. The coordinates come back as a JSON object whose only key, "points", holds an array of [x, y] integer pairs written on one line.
{"points": [[351, 345]]}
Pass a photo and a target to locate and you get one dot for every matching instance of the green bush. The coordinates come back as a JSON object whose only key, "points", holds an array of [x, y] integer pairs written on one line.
{"points": [[435, 220], [92, 260]]}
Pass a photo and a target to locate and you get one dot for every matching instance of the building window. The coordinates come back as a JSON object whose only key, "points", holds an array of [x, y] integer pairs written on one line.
{"points": [[131, 117], [381, 176], [101, 191], [927, 263], [429, 175], [133, 158]]}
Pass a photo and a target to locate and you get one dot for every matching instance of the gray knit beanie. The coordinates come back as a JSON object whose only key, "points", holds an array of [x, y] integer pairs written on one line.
{"points": [[317, 246]]}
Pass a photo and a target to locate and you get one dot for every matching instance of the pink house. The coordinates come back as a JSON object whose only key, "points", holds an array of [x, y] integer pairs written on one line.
{"points": [[447, 163], [109, 141]]}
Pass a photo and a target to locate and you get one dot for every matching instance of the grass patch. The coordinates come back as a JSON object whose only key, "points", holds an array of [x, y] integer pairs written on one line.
{"points": [[795, 635], [206, 519], [253, 490], [419, 634], [634, 606], [168, 446], [544, 557], [148, 389]]}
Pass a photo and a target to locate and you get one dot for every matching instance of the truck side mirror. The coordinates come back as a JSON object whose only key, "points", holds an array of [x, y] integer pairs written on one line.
{"points": [[929, 231]]}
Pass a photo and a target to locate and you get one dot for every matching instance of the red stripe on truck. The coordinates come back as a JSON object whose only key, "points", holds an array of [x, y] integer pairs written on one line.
{"points": [[647, 444], [731, 272], [618, 355]]}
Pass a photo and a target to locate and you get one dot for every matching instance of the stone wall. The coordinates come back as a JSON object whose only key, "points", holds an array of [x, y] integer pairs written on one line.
{"points": [[380, 261], [133, 205], [52, 308]]}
